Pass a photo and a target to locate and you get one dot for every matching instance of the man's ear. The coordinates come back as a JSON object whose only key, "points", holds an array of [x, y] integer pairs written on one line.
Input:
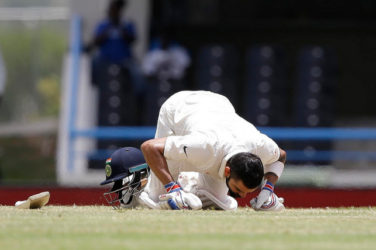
{"points": [[227, 171]]}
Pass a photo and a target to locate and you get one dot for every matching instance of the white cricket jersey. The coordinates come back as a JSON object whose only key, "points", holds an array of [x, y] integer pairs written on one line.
{"points": [[203, 132]]}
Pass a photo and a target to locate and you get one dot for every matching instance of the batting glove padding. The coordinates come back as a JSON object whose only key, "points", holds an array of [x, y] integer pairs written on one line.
{"points": [[272, 204], [178, 199], [264, 195]]}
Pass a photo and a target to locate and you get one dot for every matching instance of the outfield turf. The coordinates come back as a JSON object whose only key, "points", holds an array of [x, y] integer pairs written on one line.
{"points": [[99, 227]]}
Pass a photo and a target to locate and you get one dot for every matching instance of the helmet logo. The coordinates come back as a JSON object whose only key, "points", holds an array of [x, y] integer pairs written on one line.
{"points": [[108, 167]]}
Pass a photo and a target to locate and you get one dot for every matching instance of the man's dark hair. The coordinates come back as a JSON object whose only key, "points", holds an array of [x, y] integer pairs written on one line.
{"points": [[116, 5], [248, 168]]}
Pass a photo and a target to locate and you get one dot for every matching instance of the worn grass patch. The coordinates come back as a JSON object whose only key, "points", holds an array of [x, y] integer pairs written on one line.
{"points": [[100, 227]]}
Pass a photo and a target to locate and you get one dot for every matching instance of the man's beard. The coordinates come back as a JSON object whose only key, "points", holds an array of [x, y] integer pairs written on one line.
{"points": [[230, 192]]}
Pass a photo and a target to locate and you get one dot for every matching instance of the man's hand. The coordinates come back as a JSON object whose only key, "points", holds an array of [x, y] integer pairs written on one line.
{"points": [[266, 191], [272, 204], [177, 199], [181, 200]]}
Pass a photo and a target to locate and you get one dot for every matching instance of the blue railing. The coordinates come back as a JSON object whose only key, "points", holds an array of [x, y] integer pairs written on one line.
{"points": [[276, 133], [330, 155], [320, 134], [128, 133]]}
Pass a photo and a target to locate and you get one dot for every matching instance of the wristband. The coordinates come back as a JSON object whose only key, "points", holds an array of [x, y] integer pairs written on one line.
{"points": [[269, 186], [172, 187]]}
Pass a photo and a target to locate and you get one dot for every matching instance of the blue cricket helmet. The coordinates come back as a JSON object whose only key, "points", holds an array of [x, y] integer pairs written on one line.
{"points": [[126, 168], [121, 161]]}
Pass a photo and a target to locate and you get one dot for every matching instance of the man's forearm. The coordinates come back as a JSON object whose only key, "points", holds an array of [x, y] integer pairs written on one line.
{"points": [[153, 153], [271, 177]]}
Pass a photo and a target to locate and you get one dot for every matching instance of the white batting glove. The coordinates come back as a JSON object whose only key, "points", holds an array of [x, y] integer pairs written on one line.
{"points": [[177, 199], [266, 191], [274, 203]]}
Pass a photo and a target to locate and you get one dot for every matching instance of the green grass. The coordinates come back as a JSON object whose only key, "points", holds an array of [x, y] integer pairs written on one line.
{"points": [[99, 227]]}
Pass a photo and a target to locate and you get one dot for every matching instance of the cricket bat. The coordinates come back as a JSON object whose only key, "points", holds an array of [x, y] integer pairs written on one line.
{"points": [[34, 201]]}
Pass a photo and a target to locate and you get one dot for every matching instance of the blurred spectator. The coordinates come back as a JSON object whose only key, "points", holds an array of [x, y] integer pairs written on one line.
{"points": [[164, 66], [166, 60], [2, 77], [113, 37]]}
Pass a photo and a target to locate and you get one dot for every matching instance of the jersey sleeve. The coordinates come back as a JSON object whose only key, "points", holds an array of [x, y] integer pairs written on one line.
{"points": [[267, 150]]}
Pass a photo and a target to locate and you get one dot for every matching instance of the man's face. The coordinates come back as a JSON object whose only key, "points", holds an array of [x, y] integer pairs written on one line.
{"points": [[237, 188]]}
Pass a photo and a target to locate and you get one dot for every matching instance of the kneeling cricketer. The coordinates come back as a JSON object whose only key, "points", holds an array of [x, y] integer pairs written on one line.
{"points": [[129, 174], [200, 132]]}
